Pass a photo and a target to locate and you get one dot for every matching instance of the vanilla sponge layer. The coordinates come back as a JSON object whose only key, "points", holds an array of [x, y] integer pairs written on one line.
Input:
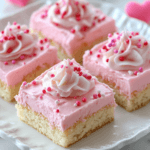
{"points": [[73, 134], [8, 92], [79, 52], [138, 99]]}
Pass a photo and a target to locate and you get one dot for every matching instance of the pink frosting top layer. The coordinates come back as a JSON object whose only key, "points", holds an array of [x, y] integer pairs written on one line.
{"points": [[64, 36], [126, 81], [64, 114], [14, 73]]}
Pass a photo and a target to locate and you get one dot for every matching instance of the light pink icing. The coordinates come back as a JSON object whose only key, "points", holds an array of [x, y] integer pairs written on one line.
{"points": [[15, 42], [13, 70], [62, 112], [102, 25], [66, 82], [129, 74]]}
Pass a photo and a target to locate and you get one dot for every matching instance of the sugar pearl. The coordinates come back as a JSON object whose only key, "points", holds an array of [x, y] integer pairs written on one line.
{"points": [[141, 69], [130, 72]]}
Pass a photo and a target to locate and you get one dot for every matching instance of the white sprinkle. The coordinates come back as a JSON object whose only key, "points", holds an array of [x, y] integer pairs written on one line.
{"points": [[130, 72], [138, 73], [21, 32], [99, 91], [57, 102], [26, 85], [75, 104]]}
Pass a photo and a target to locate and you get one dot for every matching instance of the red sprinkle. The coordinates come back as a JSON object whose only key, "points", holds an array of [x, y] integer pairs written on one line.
{"points": [[2, 32], [77, 3], [9, 50], [18, 27], [78, 103], [80, 73], [44, 91], [137, 33], [34, 82], [78, 18], [130, 36], [127, 41], [98, 56], [107, 60], [104, 47], [91, 52], [34, 54], [145, 43], [41, 41], [89, 77], [5, 38], [49, 89], [52, 75], [121, 58], [75, 68], [95, 96], [41, 48], [135, 72], [71, 63], [84, 99], [6, 63], [13, 38], [57, 110], [45, 39], [57, 11], [19, 37], [41, 97], [73, 30], [99, 95], [27, 31], [78, 69], [22, 57]]}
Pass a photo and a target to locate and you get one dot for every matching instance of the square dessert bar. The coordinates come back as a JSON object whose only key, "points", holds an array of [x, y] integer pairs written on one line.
{"points": [[22, 57], [73, 26], [65, 103], [123, 62]]}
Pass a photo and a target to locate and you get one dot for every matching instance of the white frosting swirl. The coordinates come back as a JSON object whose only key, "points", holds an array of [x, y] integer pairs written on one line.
{"points": [[126, 51], [72, 14], [67, 82], [13, 48]]}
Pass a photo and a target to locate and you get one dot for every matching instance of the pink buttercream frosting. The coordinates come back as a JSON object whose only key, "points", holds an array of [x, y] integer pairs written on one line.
{"points": [[21, 53], [73, 28], [64, 111], [123, 59]]}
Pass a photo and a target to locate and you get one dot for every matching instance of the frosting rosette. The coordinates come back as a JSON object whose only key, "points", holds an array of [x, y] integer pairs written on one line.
{"points": [[66, 79], [73, 14], [16, 40], [126, 51]]}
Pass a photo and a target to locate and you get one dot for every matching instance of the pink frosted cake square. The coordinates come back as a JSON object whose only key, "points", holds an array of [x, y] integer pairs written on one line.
{"points": [[22, 57], [73, 26], [123, 62], [65, 103]]}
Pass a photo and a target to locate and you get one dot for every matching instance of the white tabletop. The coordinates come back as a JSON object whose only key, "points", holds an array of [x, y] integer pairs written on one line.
{"points": [[6, 9]]}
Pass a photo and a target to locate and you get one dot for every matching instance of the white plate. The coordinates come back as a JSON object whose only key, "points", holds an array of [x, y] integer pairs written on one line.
{"points": [[127, 127]]}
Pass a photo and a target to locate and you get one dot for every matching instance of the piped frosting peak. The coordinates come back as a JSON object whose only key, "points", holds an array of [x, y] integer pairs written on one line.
{"points": [[76, 15], [15, 41], [67, 79], [126, 51]]}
